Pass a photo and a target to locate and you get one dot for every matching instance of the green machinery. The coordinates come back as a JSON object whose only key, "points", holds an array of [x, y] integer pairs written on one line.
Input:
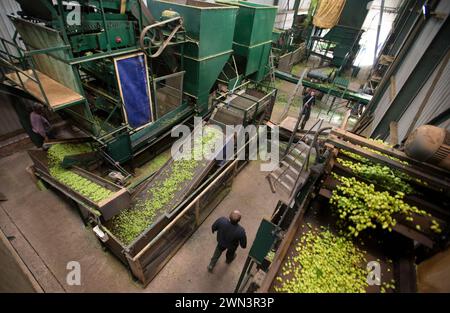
{"points": [[66, 56], [253, 38], [209, 52], [327, 88], [209, 30], [340, 45], [73, 59]]}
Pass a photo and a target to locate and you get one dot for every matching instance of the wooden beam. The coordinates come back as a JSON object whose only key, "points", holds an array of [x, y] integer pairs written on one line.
{"points": [[441, 185], [429, 93], [393, 126], [413, 234], [362, 141], [345, 120], [281, 252]]}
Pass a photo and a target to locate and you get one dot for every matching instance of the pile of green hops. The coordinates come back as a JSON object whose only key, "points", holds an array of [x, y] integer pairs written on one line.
{"points": [[403, 176], [80, 184], [132, 222], [323, 263], [57, 152], [362, 207]]}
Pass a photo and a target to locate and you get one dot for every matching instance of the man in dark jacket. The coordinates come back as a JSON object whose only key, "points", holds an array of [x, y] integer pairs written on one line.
{"points": [[40, 125], [229, 236], [308, 101]]}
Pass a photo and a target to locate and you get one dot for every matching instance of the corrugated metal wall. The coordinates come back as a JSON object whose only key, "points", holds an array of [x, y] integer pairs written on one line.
{"points": [[438, 102], [409, 63], [9, 122], [6, 27]]}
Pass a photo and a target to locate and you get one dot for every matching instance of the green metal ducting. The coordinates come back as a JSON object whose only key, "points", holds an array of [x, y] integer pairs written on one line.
{"points": [[252, 39], [348, 31], [210, 28]]}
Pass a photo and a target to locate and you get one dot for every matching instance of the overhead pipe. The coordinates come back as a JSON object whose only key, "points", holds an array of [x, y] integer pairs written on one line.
{"points": [[378, 33]]}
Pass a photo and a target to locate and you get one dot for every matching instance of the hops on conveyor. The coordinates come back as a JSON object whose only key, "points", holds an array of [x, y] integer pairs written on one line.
{"points": [[132, 222], [361, 207], [381, 174], [323, 262], [78, 183]]}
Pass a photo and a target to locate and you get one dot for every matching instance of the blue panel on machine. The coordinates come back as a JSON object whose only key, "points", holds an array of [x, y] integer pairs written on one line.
{"points": [[134, 88]]}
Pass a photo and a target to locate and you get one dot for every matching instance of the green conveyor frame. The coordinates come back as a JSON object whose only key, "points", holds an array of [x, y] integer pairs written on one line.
{"points": [[326, 88]]}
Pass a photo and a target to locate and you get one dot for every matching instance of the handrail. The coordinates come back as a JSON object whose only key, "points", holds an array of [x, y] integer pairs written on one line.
{"points": [[27, 53], [45, 51], [28, 63], [17, 69]]}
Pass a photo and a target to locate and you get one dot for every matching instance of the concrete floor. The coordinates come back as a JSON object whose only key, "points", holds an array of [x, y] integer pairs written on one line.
{"points": [[318, 111], [47, 233]]}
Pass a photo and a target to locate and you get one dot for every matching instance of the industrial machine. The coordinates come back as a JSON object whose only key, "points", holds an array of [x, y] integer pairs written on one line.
{"points": [[122, 74], [78, 60], [289, 45], [335, 43], [340, 44], [80, 66], [398, 245], [429, 144]]}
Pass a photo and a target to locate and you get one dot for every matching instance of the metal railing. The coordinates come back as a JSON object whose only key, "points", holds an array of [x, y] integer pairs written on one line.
{"points": [[26, 61]]}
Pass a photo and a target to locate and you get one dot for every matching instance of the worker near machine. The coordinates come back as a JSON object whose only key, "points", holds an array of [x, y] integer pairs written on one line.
{"points": [[229, 236], [40, 125], [308, 101]]}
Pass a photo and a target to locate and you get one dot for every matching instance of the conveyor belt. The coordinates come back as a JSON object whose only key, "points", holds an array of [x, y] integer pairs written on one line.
{"points": [[107, 208], [241, 109], [326, 88], [202, 168]]}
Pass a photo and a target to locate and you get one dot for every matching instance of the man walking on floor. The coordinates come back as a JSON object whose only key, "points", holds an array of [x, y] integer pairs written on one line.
{"points": [[229, 236]]}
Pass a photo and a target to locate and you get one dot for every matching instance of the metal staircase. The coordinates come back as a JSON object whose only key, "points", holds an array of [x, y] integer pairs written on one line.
{"points": [[342, 84], [294, 165], [291, 172]]}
